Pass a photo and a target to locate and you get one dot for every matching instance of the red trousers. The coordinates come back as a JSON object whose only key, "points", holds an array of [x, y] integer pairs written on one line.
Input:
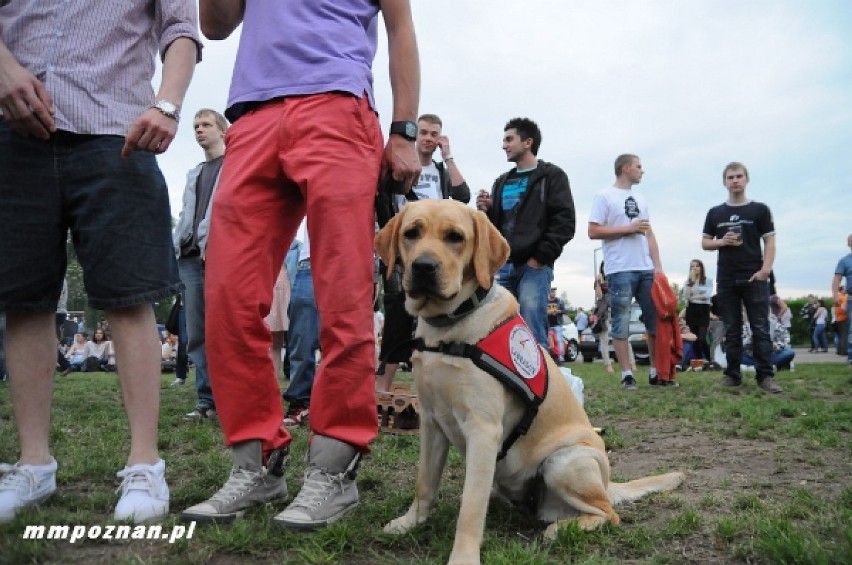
{"points": [[318, 156]]}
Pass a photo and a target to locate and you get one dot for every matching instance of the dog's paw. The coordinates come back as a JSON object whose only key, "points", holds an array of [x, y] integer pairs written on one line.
{"points": [[551, 532], [399, 526]]}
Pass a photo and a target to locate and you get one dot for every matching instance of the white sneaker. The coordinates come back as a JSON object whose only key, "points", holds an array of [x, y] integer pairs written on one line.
{"points": [[144, 493], [178, 382], [24, 485]]}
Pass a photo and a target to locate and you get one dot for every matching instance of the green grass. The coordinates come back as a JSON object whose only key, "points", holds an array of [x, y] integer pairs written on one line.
{"points": [[767, 482]]}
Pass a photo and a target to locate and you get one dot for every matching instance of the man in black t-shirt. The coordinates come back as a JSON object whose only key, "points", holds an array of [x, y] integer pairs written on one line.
{"points": [[736, 228]]}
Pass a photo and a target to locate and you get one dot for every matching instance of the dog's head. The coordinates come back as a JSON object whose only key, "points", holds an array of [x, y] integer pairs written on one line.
{"points": [[446, 250]]}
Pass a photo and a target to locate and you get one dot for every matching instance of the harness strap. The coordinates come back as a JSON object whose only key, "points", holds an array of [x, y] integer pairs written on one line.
{"points": [[497, 370]]}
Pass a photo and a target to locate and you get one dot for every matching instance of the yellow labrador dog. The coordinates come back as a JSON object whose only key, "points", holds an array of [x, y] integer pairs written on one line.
{"points": [[559, 467]]}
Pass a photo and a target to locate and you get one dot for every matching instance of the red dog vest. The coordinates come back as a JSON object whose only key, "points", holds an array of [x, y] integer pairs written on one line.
{"points": [[510, 354]]}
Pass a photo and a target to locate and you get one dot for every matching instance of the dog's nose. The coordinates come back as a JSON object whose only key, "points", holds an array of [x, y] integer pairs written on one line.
{"points": [[424, 266]]}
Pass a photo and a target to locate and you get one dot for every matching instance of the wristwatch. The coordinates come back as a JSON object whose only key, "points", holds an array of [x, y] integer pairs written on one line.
{"points": [[167, 109], [406, 129]]}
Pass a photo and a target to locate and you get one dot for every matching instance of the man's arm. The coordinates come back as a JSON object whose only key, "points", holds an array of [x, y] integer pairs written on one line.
{"points": [[835, 286], [219, 18], [26, 105], [654, 250], [152, 131], [400, 156], [600, 231], [561, 220], [768, 259]]}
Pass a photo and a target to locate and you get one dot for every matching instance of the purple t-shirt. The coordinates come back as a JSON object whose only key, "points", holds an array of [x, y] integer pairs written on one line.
{"points": [[304, 47]]}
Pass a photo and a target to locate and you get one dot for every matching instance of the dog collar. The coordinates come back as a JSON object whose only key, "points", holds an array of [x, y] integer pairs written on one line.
{"points": [[463, 310]]}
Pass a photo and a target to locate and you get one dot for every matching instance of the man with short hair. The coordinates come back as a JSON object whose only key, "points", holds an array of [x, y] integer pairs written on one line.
{"points": [[533, 208], [736, 228], [79, 136], [620, 217], [305, 141], [437, 180], [190, 241], [844, 269]]}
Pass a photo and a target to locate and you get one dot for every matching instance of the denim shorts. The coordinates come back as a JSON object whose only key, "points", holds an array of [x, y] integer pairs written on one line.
{"points": [[623, 288], [117, 210]]}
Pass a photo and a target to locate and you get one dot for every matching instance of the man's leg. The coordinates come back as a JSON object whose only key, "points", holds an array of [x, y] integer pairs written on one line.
{"points": [[533, 289], [338, 155], [137, 354], [644, 281], [192, 275], [849, 329], [302, 338], [756, 301], [30, 358], [621, 296], [730, 310]]}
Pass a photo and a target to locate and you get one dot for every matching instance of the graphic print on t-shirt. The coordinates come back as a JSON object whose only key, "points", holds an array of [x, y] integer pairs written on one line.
{"points": [[513, 191], [631, 208], [428, 186]]}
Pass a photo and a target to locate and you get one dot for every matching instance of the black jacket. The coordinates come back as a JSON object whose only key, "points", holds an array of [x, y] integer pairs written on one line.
{"points": [[546, 219]]}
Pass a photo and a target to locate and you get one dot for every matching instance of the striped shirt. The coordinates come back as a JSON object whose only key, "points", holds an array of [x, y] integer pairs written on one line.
{"points": [[95, 58]]}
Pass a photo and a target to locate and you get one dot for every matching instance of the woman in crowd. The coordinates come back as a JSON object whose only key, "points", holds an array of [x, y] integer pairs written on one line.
{"points": [[76, 354], [697, 293], [820, 319]]}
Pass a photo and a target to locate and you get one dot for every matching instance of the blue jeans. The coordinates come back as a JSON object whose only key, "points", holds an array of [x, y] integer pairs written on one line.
{"points": [[181, 362], [623, 288], [303, 336], [531, 287], [117, 210], [192, 275], [819, 337], [780, 359], [754, 296]]}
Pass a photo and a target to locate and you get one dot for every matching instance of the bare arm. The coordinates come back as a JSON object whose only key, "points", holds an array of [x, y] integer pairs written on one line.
{"points": [[152, 131], [768, 259], [835, 286], [219, 18], [600, 231], [654, 250], [24, 101], [400, 157]]}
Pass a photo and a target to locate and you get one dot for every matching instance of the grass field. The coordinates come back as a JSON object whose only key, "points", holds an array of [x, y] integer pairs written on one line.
{"points": [[768, 481]]}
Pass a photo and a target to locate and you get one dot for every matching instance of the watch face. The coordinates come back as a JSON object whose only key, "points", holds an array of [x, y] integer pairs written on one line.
{"points": [[167, 106], [410, 130]]}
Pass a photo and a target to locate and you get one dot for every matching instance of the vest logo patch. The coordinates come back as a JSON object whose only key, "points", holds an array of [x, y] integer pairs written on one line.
{"points": [[524, 352]]}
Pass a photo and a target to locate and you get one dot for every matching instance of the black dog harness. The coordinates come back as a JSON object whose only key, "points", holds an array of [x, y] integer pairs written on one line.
{"points": [[511, 355]]}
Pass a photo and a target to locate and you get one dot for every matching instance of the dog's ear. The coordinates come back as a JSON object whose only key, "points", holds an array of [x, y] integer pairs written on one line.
{"points": [[385, 242], [491, 250]]}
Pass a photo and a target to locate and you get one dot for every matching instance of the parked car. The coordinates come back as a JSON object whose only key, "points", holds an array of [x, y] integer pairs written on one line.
{"points": [[638, 337], [571, 337]]}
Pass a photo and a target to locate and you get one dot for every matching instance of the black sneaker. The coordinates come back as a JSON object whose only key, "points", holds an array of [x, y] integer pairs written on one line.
{"points": [[628, 383], [653, 381]]}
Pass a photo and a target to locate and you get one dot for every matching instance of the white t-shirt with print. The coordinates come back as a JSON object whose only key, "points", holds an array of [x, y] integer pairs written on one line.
{"points": [[615, 207], [428, 187]]}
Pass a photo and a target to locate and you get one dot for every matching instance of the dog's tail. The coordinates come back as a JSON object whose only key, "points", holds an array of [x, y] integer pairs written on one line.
{"points": [[631, 490]]}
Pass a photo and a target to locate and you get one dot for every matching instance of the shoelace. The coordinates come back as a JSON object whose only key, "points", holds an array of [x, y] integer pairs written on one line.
{"points": [[317, 488], [237, 484], [138, 479], [14, 477]]}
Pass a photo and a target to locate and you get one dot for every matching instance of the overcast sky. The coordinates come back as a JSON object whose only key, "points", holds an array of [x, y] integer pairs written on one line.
{"points": [[687, 85]]}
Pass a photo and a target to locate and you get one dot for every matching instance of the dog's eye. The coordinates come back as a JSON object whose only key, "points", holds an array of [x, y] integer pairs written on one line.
{"points": [[411, 233], [454, 237]]}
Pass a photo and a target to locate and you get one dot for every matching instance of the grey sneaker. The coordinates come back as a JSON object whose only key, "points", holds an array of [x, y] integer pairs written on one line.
{"points": [[628, 383], [202, 413], [329, 492], [243, 490], [729, 381], [768, 384]]}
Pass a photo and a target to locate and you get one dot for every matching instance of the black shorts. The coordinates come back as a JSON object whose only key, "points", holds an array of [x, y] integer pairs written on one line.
{"points": [[398, 330]]}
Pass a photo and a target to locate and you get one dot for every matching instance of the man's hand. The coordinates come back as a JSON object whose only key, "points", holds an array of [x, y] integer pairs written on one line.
{"points": [[401, 160], [483, 200], [444, 144], [152, 132], [761, 275], [26, 105], [533, 262]]}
